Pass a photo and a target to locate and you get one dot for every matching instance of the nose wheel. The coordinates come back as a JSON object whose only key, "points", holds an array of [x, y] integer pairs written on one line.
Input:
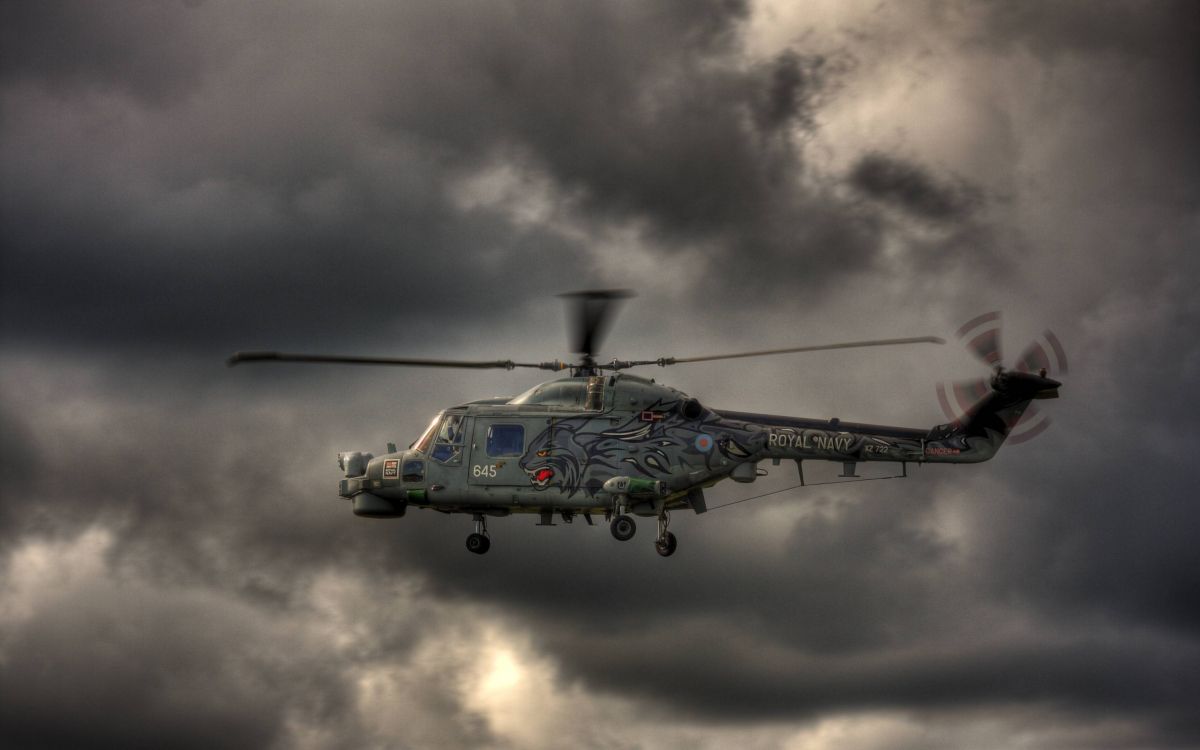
{"points": [[479, 542]]}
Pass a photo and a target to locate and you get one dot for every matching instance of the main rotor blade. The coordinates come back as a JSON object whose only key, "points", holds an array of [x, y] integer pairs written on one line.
{"points": [[505, 364], [795, 349], [593, 313]]}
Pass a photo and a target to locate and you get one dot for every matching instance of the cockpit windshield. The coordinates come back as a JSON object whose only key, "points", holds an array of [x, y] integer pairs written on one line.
{"points": [[426, 438], [443, 439]]}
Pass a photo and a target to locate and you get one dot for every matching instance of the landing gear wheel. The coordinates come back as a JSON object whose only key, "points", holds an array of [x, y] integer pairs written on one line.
{"points": [[478, 543], [666, 545], [623, 528]]}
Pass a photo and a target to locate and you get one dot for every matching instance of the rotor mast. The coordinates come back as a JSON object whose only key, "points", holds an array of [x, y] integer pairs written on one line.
{"points": [[593, 314]]}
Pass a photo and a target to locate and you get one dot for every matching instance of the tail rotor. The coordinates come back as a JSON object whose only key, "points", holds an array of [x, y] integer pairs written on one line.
{"points": [[981, 337]]}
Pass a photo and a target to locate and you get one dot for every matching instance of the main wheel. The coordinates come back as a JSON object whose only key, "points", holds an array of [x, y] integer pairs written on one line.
{"points": [[666, 547], [623, 528], [478, 543]]}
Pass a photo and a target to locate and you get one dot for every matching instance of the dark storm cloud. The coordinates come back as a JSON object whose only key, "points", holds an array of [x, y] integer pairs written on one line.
{"points": [[252, 181], [204, 623], [1112, 541], [788, 100], [1141, 67], [652, 127], [735, 680], [663, 125], [912, 189], [150, 50], [140, 667], [266, 176], [1161, 34], [862, 607]]}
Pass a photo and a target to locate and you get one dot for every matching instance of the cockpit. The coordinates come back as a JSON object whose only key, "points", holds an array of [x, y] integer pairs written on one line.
{"points": [[443, 439]]}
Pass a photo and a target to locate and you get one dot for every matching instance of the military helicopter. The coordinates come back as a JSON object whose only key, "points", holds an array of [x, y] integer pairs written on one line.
{"points": [[603, 441]]}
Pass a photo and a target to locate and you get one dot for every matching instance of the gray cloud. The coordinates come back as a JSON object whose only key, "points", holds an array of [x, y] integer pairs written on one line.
{"points": [[861, 605], [199, 178], [135, 668], [912, 189], [253, 202], [150, 50]]}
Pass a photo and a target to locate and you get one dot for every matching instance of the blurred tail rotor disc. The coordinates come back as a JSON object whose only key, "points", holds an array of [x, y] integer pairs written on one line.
{"points": [[981, 337]]}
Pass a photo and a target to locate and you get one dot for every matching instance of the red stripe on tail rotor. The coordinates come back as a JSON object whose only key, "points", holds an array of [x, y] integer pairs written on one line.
{"points": [[957, 399], [981, 336], [976, 322], [944, 402], [986, 346], [1045, 351], [969, 392], [1033, 358], [1028, 429], [1059, 353]]}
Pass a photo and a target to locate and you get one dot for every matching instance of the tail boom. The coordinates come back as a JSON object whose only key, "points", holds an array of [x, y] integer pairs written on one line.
{"points": [[974, 438]]}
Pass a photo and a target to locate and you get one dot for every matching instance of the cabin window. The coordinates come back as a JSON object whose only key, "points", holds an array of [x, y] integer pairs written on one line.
{"points": [[505, 440], [414, 471], [447, 447]]}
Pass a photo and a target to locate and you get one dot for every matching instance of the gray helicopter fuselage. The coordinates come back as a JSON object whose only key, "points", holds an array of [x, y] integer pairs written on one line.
{"points": [[622, 445], [621, 442]]}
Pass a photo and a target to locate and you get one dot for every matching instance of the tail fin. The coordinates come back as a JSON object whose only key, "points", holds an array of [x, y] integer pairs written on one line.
{"points": [[982, 430]]}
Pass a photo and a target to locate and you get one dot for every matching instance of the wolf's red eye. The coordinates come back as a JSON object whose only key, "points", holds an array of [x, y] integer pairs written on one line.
{"points": [[543, 453]]}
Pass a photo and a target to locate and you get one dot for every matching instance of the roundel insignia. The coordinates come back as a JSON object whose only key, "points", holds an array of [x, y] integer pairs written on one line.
{"points": [[704, 443]]}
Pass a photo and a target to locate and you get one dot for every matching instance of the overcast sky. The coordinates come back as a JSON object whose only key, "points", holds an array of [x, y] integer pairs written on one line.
{"points": [[180, 180]]}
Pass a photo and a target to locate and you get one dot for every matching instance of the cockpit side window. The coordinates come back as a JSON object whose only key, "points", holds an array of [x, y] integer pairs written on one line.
{"points": [[447, 444]]}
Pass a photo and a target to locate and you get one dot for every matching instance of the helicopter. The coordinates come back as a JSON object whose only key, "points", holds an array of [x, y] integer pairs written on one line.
{"points": [[604, 442]]}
